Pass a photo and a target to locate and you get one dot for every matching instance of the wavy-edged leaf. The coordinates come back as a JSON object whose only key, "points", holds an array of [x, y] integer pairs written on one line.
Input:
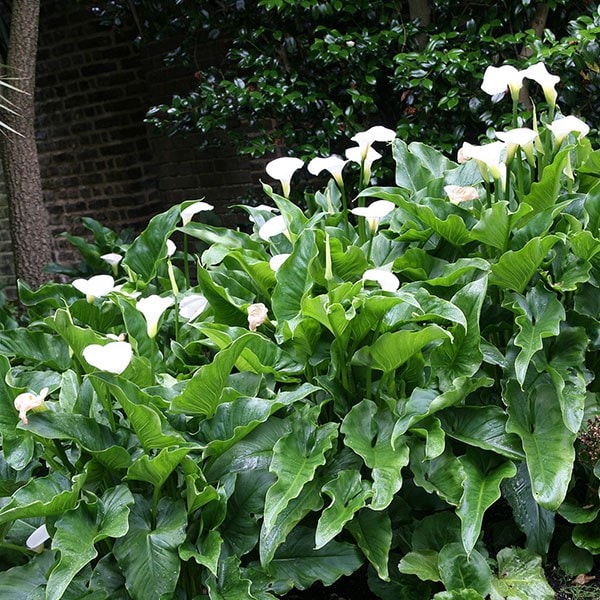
{"points": [[156, 469], [368, 431], [459, 570], [148, 555], [483, 476], [372, 531], [348, 493], [520, 576], [422, 563], [296, 458], [535, 416], [78, 530]]}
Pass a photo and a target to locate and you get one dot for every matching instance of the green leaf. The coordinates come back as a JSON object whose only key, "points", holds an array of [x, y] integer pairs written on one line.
{"points": [[226, 309], [348, 494], [156, 470], [150, 247], [368, 431], [43, 496], [460, 570], [520, 576], [229, 585], [78, 530], [204, 391], [206, 551], [393, 349], [296, 458], [422, 563], [148, 553], [535, 522], [540, 314], [294, 281], [493, 227], [417, 164], [28, 581], [297, 560], [483, 427], [35, 346], [535, 416], [465, 594], [515, 268], [483, 476], [587, 536], [461, 356], [372, 531], [573, 560]]}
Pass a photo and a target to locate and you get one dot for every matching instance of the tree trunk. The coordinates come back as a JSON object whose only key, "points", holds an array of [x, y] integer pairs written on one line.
{"points": [[421, 10], [31, 239]]}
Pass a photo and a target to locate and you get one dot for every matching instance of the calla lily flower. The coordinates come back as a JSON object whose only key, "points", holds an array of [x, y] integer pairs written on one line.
{"points": [[189, 211], [356, 155], [277, 260], [257, 315], [29, 401], [374, 212], [95, 287], [488, 158], [497, 79], [273, 227], [283, 169], [521, 137], [152, 308], [378, 133], [387, 281], [547, 81], [334, 164], [193, 305], [562, 127], [114, 357], [36, 540], [171, 247], [112, 258], [461, 193]]}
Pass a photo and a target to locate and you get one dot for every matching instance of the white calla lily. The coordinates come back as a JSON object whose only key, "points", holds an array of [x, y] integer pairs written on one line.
{"points": [[152, 308], [562, 127], [461, 193], [29, 401], [520, 137], [374, 212], [276, 261], [334, 164], [496, 80], [546, 80], [257, 315], [113, 357], [378, 133], [112, 258], [36, 540], [283, 169], [95, 287], [387, 281], [192, 306], [356, 155], [273, 227], [171, 247], [189, 211], [488, 157]]}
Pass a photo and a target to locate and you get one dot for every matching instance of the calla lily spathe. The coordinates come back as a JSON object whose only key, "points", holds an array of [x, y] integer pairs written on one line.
{"points": [[257, 315], [334, 164], [276, 261], [520, 137], [95, 287], [112, 258], [152, 308], [387, 281], [273, 227], [374, 212], [357, 155], [546, 80], [488, 157], [36, 540], [562, 127], [189, 211], [192, 306], [461, 193], [29, 401], [283, 169], [496, 80], [378, 133], [114, 357]]}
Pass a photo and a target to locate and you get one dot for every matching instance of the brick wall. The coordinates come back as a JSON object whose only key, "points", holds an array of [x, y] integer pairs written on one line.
{"points": [[97, 157]]}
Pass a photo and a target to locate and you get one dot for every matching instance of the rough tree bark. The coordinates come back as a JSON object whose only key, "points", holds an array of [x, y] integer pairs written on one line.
{"points": [[30, 233], [421, 10]]}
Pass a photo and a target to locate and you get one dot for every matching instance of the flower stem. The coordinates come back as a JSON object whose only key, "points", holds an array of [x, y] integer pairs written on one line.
{"points": [[186, 265]]}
